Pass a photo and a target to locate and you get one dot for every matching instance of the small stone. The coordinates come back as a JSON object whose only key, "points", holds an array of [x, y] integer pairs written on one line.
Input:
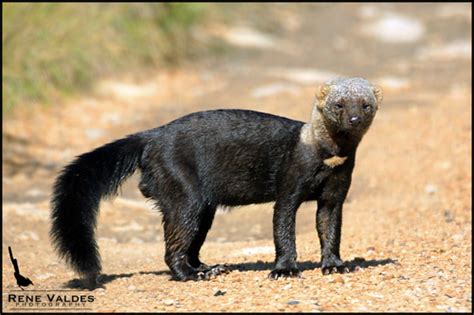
{"points": [[132, 288], [388, 277], [220, 292], [168, 302], [376, 295], [448, 216], [293, 302], [338, 279], [431, 189]]}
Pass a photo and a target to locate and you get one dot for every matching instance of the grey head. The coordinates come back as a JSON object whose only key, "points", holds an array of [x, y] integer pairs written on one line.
{"points": [[347, 105]]}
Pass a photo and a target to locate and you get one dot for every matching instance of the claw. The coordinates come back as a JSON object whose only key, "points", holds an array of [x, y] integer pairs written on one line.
{"points": [[284, 273], [335, 269]]}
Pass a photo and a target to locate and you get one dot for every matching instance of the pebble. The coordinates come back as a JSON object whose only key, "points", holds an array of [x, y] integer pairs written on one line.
{"points": [[376, 295], [220, 292], [388, 277], [169, 302], [338, 279], [448, 216], [431, 189]]}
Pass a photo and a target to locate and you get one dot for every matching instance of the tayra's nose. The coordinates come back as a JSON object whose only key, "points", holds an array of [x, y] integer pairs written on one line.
{"points": [[354, 120]]}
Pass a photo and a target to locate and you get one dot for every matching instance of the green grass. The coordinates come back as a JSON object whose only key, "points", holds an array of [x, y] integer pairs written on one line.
{"points": [[52, 49]]}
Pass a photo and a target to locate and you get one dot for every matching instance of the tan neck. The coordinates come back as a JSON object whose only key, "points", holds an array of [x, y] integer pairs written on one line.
{"points": [[315, 131]]}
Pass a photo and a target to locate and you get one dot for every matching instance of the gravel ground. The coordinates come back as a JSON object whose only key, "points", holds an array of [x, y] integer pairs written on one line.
{"points": [[407, 220]]}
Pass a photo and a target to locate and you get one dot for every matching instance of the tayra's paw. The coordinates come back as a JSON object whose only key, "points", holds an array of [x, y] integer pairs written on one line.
{"points": [[284, 273], [213, 272], [333, 265], [219, 269], [200, 271], [335, 269]]}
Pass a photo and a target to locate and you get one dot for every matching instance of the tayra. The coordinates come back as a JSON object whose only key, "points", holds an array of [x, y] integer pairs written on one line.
{"points": [[196, 163]]}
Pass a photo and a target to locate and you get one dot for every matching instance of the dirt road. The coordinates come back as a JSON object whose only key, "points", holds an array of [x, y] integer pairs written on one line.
{"points": [[407, 220]]}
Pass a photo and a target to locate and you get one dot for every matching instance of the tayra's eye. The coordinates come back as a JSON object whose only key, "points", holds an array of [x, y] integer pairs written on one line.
{"points": [[366, 106], [338, 106]]}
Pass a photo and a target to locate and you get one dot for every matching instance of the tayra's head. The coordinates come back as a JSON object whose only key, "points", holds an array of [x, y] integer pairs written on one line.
{"points": [[347, 106]]}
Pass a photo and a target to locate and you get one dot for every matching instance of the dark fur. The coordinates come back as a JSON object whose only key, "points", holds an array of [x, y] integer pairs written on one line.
{"points": [[194, 164]]}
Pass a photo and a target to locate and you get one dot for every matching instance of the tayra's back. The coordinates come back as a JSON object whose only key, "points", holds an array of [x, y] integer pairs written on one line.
{"points": [[237, 154]]}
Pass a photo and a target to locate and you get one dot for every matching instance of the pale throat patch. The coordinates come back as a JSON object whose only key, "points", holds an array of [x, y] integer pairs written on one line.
{"points": [[307, 134], [335, 161], [307, 137]]}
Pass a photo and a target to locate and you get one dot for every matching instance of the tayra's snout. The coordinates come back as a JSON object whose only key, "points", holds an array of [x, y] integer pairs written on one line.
{"points": [[355, 120]]}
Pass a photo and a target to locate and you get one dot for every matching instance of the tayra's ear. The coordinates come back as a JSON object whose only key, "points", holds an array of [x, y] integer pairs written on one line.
{"points": [[321, 94], [378, 94]]}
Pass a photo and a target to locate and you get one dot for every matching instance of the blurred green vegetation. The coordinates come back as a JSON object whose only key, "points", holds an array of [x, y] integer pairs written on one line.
{"points": [[54, 48]]}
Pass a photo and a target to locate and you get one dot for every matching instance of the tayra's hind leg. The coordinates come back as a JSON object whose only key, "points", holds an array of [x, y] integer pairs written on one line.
{"points": [[181, 229], [204, 270], [186, 228]]}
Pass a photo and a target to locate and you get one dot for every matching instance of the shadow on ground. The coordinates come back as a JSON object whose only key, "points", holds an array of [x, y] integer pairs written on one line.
{"points": [[353, 265]]}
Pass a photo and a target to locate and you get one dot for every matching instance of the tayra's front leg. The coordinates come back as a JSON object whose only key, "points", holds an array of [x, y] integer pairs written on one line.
{"points": [[329, 217], [284, 217], [328, 223]]}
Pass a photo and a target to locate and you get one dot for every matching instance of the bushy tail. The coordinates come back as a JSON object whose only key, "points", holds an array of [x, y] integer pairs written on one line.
{"points": [[76, 197]]}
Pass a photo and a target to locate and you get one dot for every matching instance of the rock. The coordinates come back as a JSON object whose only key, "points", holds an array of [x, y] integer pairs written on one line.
{"points": [[220, 292], [376, 295], [448, 216], [431, 189], [169, 302]]}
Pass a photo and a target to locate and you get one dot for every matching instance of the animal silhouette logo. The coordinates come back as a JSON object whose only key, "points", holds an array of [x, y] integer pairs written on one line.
{"points": [[20, 280]]}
